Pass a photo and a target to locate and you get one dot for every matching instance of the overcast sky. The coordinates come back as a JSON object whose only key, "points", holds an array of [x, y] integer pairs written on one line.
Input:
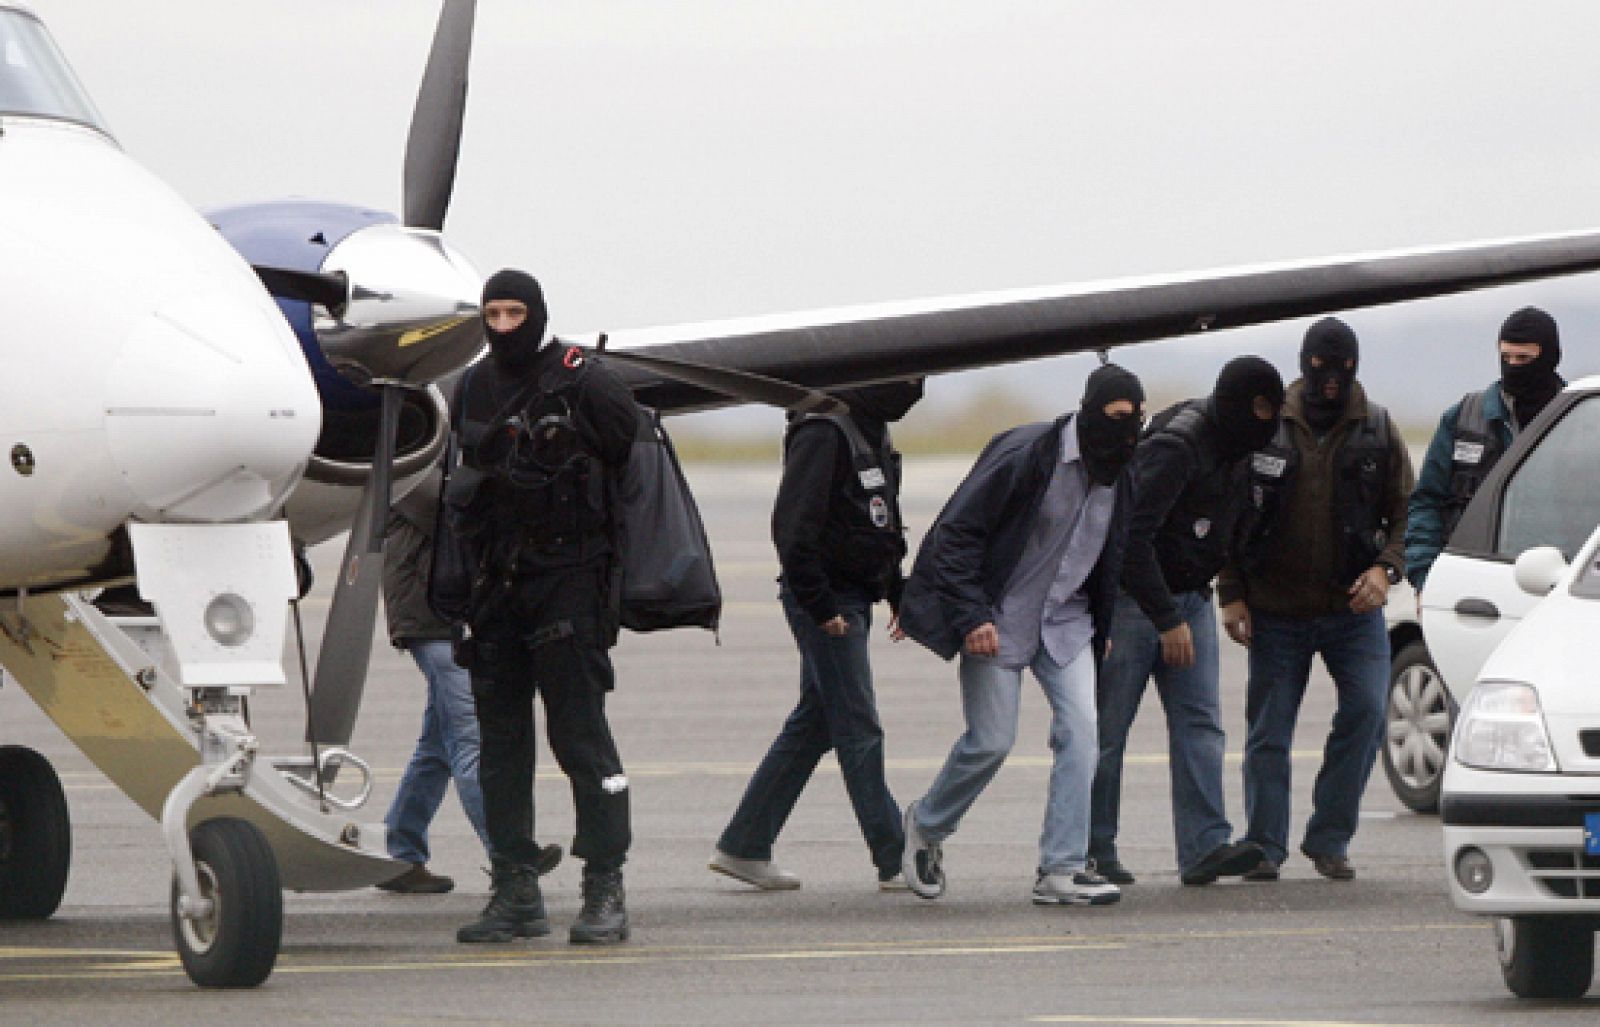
{"points": [[662, 162]]}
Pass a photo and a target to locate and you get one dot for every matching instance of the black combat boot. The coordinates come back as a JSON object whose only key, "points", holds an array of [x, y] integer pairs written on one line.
{"points": [[515, 910], [603, 919]]}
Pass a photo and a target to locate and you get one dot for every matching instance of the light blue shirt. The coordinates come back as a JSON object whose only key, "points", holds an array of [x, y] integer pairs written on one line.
{"points": [[1044, 602]]}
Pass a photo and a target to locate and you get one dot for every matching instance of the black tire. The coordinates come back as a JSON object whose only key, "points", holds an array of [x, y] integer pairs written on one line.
{"points": [[1418, 717], [1545, 957], [35, 836], [235, 946]]}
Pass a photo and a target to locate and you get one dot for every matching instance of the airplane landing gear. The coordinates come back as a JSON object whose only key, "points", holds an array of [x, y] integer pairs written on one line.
{"points": [[234, 942], [35, 836]]}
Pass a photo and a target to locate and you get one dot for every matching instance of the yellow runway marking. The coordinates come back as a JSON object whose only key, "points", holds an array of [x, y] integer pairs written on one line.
{"points": [[133, 964], [1204, 1021]]}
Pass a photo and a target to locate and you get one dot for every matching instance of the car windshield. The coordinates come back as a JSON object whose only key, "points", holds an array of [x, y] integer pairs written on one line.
{"points": [[34, 79]]}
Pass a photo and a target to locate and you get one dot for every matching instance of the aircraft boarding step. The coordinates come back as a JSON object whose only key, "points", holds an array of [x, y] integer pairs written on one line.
{"points": [[101, 680]]}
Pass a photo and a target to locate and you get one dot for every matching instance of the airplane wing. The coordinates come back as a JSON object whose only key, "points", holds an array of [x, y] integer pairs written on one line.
{"points": [[878, 342]]}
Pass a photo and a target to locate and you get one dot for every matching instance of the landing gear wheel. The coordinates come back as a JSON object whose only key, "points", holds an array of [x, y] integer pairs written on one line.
{"points": [[1545, 957], [236, 944], [35, 836], [1417, 728]]}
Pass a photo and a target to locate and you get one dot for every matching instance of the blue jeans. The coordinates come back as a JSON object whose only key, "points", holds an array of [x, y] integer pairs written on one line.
{"points": [[1355, 649], [990, 696], [1195, 742], [837, 710], [446, 750]]}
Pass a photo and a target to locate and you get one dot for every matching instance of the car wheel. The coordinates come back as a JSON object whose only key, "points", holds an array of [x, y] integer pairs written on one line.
{"points": [[1545, 957], [1417, 730]]}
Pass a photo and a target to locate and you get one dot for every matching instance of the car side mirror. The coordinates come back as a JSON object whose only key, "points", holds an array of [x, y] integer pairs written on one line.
{"points": [[1538, 569]]}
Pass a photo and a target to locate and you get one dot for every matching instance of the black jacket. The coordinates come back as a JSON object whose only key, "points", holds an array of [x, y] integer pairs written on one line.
{"points": [[564, 380], [1190, 510], [816, 515], [972, 549]]}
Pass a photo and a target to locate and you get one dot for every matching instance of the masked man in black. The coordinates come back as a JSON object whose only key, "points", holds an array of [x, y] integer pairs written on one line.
{"points": [[1335, 481], [1473, 434], [840, 541], [541, 427], [1192, 505]]}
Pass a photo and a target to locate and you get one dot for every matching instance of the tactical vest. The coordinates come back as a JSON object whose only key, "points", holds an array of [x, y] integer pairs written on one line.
{"points": [[1474, 449], [1361, 475], [538, 512], [1210, 514], [873, 540]]}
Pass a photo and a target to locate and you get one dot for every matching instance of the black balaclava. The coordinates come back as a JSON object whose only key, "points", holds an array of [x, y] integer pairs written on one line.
{"points": [[515, 352], [1333, 341], [886, 402], [1106, 444], [1535, 383], [1233, 403]]}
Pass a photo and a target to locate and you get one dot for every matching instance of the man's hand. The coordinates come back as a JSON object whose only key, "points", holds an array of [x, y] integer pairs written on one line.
{"points": [[1236, 622], [896, 633], [1370, 591], [1177, 646], [983, 640], [838, 627]]}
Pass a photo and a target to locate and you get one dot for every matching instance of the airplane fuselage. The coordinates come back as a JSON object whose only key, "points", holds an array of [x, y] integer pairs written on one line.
{"points": [[150, 376]]}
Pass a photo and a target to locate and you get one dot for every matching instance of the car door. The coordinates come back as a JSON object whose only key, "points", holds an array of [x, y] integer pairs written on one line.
{"points": [[1544, 492]]}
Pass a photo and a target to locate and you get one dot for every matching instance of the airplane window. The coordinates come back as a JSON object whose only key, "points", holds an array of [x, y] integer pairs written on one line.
{"points": [[1553, 499], [34, 79]]}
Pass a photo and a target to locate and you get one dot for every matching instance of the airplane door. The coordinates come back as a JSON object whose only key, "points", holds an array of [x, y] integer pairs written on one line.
{"points": [[1544, 492]]}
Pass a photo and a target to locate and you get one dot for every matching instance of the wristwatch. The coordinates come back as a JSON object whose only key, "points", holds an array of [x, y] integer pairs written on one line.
{"points": [[1391, 572]]}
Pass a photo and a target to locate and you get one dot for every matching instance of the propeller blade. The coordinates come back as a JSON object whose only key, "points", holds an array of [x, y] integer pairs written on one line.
{"points": [[347, 640], [744, 385], [435, 139], [329, 288]]}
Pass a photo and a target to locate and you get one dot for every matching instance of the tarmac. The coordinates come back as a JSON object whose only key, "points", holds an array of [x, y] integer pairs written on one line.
{"points": [[692, 715]]}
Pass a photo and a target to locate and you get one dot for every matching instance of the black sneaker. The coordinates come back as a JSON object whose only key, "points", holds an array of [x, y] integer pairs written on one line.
{"points": [[604, 917], [921, 863], [1112, 870], [515, 909], [1226, 860]]}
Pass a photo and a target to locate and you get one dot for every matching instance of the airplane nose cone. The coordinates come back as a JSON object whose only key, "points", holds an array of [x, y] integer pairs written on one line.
{"points": [[211, 413]]}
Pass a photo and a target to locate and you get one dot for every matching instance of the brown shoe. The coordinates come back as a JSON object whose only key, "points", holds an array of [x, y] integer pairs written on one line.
{"points": [[1266, 870], [1334, 868], [419, 880]]}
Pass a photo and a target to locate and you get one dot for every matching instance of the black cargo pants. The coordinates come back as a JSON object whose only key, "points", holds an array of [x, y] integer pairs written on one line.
{"points": [[550, 635]]}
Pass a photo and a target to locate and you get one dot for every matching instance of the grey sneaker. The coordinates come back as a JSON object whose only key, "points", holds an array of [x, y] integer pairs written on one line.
{"points": [[763, 873], [1084, 888], [922, 861]]}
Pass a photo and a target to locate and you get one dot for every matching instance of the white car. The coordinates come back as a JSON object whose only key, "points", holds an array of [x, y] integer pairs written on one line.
{"points": [[1543, 491], [1520, 790], [1521, 796]]}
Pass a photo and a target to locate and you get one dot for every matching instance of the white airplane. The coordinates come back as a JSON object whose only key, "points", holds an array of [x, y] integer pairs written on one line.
{"points": [[179, 427]]}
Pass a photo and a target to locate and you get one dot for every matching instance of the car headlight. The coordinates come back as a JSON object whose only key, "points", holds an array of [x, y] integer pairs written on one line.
{"points": [[1502, 728]]}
